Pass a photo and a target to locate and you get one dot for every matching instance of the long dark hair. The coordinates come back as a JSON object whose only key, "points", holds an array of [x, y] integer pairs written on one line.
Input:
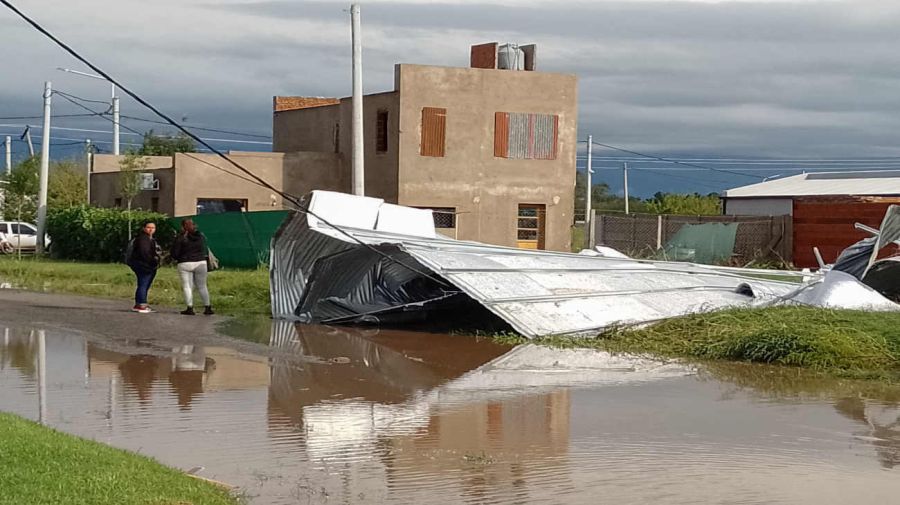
{"points": [[188, 227]]}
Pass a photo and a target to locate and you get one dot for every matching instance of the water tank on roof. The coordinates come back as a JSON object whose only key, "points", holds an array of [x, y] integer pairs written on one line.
{"points": [[510, 57]]}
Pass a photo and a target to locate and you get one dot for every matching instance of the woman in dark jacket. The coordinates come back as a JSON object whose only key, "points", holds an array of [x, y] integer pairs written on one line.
{"points": [[191, 253], [144, 261]]}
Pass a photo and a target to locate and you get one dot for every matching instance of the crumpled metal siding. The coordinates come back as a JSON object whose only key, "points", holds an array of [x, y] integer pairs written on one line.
{"points": [[537, 292], [292, 260]]}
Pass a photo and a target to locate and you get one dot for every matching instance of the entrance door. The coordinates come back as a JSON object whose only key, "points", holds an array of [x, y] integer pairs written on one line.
{"points": [[530, 228]]}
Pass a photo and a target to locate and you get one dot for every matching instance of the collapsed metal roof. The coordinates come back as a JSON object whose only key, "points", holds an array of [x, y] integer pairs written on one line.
{"points": [[378, 260]]}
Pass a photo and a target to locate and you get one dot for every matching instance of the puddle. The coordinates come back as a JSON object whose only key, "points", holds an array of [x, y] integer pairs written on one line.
{"points": [[370, 416]]}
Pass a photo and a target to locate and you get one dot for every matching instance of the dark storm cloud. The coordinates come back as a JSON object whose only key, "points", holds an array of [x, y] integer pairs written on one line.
{"points": [[762, 78]]}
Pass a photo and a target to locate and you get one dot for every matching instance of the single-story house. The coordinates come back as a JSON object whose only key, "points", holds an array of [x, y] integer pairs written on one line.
{"points": [[825, 207]]}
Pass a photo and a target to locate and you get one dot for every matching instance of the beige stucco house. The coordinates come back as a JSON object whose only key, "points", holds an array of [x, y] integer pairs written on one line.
{"points": [[491, 148]]}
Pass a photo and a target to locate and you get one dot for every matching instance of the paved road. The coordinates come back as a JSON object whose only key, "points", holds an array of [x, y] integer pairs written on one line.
{"points": [[112, 324]]}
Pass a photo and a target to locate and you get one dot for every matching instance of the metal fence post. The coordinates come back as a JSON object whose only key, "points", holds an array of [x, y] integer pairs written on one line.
{"points": [[592, 229]]}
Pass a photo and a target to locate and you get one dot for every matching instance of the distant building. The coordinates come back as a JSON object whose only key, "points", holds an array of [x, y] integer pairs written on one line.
{"points": [[824, 205], [491, 147], [198, 183]]}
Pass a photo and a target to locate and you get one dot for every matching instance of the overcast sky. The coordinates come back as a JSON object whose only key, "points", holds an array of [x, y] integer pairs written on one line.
{"points": [[811, 78]]}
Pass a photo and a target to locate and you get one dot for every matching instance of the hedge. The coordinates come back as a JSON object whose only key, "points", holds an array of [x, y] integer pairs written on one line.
{"points": [[99, 234]]}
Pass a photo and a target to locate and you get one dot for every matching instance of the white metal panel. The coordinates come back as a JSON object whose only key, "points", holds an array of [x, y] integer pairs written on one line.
{"points": [[407, 220], [341, 209], [823, 184]]}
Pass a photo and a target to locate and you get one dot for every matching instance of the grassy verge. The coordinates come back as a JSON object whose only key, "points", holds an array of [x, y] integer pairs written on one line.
{"points": [[579, 238], [41, 465], [842, 343], [233, 292]]}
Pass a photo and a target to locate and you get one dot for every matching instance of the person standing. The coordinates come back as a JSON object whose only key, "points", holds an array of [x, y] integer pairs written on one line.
{"points": [[144, 261], [191, 253]]}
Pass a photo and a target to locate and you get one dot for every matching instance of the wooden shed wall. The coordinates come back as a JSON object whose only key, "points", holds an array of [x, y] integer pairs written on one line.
{"points": [[827, 223]]}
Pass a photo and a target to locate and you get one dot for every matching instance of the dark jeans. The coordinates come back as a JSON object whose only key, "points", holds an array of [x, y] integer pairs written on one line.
{"points": [[144, 280]]}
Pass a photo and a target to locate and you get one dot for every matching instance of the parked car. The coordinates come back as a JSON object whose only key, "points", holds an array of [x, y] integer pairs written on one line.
{"points": [[16, 235]]}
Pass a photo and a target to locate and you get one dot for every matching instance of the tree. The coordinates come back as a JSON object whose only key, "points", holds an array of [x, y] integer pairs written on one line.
{"points": [[21, 189], [130, 168], [598, 192], [67, 186], [684, 204], [166, 145]]}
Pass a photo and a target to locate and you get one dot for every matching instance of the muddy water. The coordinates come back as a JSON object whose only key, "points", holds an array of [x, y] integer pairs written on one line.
{"points": [[350, 416]]}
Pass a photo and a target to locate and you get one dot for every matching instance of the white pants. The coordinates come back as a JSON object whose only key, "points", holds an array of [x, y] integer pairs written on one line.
{"points": [[193, 273]]}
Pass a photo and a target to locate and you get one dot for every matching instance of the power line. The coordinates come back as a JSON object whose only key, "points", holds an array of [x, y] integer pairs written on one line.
{"points": [[76, 97], [200, 128], [290, 198], [10, 118], [667, 160], [72, 99]]}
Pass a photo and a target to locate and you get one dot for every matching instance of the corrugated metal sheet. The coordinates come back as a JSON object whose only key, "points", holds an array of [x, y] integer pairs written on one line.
{"points": [[434, 131], [525, 136], [823, 184], [536, 292], [519, 135]]}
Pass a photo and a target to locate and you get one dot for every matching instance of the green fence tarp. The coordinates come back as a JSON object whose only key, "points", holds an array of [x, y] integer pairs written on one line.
{"points": [[238, 239], [707, 243]]}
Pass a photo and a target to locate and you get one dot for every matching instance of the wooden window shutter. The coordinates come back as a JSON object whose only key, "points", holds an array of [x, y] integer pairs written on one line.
{"points": [[434, 131], [501, 135]]}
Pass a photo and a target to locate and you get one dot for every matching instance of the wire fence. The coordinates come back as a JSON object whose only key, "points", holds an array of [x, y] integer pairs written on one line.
{"points": [[643, 235]]}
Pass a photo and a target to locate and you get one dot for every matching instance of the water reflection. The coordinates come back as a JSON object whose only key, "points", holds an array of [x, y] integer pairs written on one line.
{"points": [[362, 416]]}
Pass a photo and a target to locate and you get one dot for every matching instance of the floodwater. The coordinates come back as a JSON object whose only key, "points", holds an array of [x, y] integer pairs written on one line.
{"points": [[341, 415]]}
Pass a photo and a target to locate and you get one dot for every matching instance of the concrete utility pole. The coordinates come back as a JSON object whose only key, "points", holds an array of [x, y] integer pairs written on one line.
{"points": [[30, 143], [45, 171], [8, 154], [358, 175], [115, 108], [625, 173], [588, 195], [88, 161]]}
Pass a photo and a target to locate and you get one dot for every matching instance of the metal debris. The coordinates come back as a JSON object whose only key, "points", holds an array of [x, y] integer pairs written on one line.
{"points": [[368, 272]]}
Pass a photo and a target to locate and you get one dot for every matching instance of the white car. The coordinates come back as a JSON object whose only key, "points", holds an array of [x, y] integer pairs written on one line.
{"points": [[15, 235]]}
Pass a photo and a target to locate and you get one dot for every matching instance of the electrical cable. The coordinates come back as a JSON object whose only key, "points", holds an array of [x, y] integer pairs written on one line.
{"points": [[10, 118], [113, 121], [76, 97], [290, 198], [134, 118], [664, 159]]}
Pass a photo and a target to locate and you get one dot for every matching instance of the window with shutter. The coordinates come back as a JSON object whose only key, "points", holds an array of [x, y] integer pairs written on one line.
{"points": [[434, 131], [526, 136]]}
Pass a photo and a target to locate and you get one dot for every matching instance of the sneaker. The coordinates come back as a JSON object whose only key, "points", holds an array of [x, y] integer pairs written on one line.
{"points": [[188, 311], [141, 309], [208, 311]]}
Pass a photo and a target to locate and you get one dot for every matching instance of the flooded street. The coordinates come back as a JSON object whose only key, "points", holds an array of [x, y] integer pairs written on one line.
{"points": [[343, 415]]}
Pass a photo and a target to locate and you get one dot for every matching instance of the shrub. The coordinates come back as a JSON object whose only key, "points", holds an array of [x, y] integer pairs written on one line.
{"points": [[99, 234]]}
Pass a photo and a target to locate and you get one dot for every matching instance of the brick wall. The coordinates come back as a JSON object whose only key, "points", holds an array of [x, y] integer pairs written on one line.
{"points": [[283, 103]]}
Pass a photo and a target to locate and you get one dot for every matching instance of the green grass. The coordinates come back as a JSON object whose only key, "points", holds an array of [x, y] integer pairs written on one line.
{"points": [[39, 465], [579, 240], [842, 343], [233, 292]]}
